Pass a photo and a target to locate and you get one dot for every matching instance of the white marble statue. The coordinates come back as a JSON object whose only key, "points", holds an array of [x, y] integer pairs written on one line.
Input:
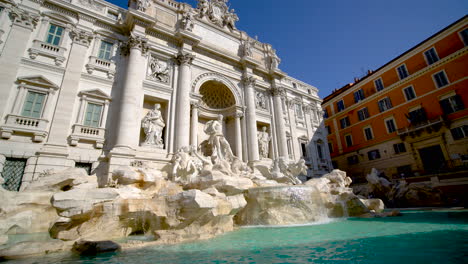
{"points": [[264, 143], [274, 60], [221, 148], [283, 170], [185, 167], [230, 19], [142, 5], [202, 8], [187, 22], [261, 101], [153, 125]]}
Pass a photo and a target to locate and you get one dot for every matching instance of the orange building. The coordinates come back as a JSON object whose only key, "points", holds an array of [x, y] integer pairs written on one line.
{"points": [[409, 117]]}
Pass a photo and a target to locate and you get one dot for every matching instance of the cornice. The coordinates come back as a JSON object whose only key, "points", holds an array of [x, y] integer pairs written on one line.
{"points": [[44, 66]]}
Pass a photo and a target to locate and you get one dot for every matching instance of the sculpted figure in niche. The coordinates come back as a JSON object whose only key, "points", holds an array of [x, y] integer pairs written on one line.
{"points": [[263, 143], [261, 101], [221, 148], [187, 22], [159, 71], [153, 125], [274, 60]]}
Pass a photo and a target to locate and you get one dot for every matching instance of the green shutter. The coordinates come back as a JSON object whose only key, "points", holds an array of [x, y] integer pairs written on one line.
{"points": [[93, 115], [33, 105]]}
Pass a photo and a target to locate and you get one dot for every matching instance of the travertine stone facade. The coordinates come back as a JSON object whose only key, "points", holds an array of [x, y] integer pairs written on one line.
{"points": [[78, 77]]}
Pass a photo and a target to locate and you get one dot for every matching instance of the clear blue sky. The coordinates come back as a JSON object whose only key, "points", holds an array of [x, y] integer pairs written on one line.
{"points": [[327, 43]]}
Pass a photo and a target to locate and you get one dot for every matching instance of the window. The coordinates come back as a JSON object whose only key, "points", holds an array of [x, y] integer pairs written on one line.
{"points": [[330, 147], [54, 35], [358, 95], [379, 84], [340, 105], [440, 79], [33, 104], [452, 104], [374, 154], [399, 148], [344, 122], [417, 116], [352, 160], [105, 51], [431, 56], [459, 132], [93, 115], [12, 173], [294, 85], [402, 72], [325, 114], [390, 124], [363, 114], [328, 130], [368, 133], [320, 151], [464, 36], [349, 140], [409, 93], [385, 104]]}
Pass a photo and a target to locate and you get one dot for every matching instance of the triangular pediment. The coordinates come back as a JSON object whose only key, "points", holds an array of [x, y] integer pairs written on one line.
{"points": [[97, 93], [38, 80]]}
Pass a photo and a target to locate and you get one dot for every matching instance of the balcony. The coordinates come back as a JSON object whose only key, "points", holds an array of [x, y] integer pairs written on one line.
{"points": [[106, 66], [45, 49], [429, 125], [86, 133], [27, 125]]}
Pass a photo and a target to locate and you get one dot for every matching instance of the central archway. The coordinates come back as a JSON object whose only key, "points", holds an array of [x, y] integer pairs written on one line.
{"points": [[215, 95]]}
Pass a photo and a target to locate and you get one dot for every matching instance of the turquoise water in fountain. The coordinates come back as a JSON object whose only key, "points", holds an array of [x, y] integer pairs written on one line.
{"points": [[416, 237]]}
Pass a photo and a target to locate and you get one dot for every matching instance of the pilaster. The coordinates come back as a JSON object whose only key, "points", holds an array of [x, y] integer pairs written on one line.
{"points": [[278, 93], [182, 125], [251, 118]]}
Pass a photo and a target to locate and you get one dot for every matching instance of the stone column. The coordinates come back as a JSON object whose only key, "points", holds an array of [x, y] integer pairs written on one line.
{"points": [[277, 93], [62, 118], [128, 129], [237, 123], [194, 125], [251, 118], [182, 124], [15, 44]]}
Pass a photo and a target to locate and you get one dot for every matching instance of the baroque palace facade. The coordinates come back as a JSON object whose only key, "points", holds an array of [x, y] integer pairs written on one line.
{"points": [[410, 116], [85, 83]]}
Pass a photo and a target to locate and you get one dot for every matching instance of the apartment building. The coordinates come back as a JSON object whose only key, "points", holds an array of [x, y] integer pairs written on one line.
{"points": [[410, 116]]}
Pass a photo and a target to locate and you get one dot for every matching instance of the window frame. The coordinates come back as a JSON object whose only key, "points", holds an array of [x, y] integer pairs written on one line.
{"points": [[366, 114], [347, 122], [394, 124], [378, 156], [338, 104], [368, 128], [406, 71], [452, 99], [360, 95], [428, 60], [398, 150], [346, 140], [111, 50], [464, 131], [101, 112], [376, 86], [435, 80], [352, 160], [387, 100], [406, 95], [460, 33], [62, 36], [43, 103]]}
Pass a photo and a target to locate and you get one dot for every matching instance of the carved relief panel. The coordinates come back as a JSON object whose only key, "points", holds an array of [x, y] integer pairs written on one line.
{"points": [[159, 70], [261, 100]]}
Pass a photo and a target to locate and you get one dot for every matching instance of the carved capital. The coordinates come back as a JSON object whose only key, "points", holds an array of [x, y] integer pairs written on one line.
{"points": [[306, 108], [81, 37], [195, 104], [278, 91], [249, 81], [239, 114], [24, 18], [134, 42], [185, 58]]}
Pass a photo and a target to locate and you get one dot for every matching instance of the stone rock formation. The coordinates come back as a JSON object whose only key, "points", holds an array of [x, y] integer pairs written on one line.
{"points": [[213, 197]]}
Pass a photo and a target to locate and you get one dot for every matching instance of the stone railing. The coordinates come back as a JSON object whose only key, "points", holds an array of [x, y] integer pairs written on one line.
{"points": [[170, 3], [94, 134], [420, 125], [26, 125], [45, 49], [106, 66]]}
